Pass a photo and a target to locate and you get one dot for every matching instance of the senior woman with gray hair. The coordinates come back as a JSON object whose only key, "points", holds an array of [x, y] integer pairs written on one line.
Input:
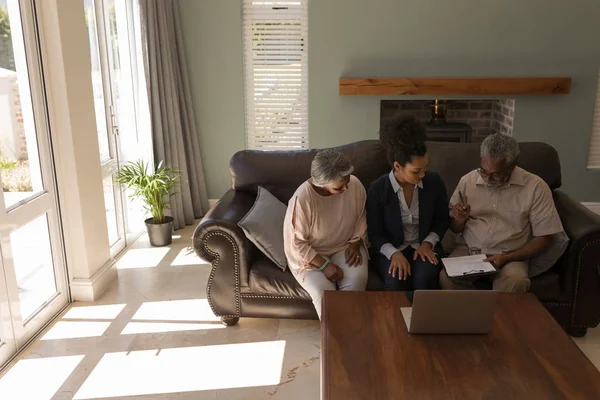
{"points": [[324, 229], [503, 211]]}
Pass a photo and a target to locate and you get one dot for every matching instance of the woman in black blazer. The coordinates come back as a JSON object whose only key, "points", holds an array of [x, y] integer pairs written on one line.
{"points": [[407, 210]]}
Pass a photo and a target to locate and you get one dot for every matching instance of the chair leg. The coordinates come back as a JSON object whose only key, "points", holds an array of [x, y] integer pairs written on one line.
{"points": [[577, 332], [229, 321]]}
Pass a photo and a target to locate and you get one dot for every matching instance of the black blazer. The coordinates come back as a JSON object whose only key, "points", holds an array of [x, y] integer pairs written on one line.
{"points": [[384, 219]]}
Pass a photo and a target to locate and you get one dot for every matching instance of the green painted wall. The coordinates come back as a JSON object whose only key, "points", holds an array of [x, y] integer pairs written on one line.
{"points": [[212, 32], [407, 38]]}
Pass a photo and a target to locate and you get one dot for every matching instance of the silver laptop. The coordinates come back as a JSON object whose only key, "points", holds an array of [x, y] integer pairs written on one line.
{"points": [[450, 311]]}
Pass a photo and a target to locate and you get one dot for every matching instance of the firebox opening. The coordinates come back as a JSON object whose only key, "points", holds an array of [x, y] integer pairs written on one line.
{"points": [[456, 120]]}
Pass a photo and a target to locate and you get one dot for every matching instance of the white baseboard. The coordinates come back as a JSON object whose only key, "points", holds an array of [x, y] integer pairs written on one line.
{"points": [[212, 202], [592, 206], [89, 290]]}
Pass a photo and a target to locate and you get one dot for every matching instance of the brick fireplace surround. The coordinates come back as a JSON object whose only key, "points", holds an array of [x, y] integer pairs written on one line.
{"points": [[483, 116]]}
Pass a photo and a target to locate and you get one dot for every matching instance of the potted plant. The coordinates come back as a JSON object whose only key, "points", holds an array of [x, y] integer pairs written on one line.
{"points": [[154, 189]]}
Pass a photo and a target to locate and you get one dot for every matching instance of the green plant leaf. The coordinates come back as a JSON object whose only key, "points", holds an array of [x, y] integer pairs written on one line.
{"points": [[154, 188]]}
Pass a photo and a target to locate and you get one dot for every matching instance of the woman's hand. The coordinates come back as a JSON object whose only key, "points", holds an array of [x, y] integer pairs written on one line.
{"points": [[333, 272], [399, 264], [425, 251], [353, 256]]}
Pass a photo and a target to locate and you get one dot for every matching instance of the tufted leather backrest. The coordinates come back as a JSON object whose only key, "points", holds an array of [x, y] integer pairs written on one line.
{"points": [[453, 160], [281, 172]]}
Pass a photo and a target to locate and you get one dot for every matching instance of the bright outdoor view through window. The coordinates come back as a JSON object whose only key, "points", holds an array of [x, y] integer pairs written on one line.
{"points": [[19, 166]]}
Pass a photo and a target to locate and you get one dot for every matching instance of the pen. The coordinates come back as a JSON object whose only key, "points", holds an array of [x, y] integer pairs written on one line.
{"points": [[462, 200]]}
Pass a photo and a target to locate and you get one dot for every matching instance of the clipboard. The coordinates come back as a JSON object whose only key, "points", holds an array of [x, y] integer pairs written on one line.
{"points": [[468, 266]]}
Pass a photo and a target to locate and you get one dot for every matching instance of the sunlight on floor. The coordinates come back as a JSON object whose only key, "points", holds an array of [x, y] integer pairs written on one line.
{"points": [[37, 378], [94, 312], [66, 328], [144, 240], [76, 329], [142, 258], [185, 369], [196, 310], [135, 328], [187, 257], [172, 316]]}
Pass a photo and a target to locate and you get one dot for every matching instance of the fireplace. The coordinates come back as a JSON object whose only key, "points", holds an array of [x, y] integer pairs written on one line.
{"points": [[455, 120]]}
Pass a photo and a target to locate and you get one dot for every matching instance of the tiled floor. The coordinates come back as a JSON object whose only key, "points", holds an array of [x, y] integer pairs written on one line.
{"points": [[153, 336]]}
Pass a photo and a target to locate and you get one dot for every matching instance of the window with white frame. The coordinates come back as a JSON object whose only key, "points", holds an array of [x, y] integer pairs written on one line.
{"points": [[276, 74], [594, 153]]}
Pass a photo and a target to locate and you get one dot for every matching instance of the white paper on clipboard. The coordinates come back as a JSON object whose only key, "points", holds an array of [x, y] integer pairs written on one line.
{"points": [[467, 265]]}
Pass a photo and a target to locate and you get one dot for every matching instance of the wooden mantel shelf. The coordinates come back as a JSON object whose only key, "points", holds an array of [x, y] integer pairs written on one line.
{"points": [[437, 86]]}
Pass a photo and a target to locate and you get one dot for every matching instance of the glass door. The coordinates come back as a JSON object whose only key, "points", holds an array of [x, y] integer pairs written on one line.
{"points": [[33, 285], [107, 127], [122, 107]]}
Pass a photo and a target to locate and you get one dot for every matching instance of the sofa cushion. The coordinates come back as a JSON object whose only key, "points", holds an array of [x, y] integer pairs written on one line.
{"points": [[267, 278], [375, 282], [263, 225], [546, 286], [550, 255]]}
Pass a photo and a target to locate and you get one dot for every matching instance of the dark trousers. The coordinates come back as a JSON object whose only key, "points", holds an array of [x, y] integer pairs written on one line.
{"points": [[423, 274]]}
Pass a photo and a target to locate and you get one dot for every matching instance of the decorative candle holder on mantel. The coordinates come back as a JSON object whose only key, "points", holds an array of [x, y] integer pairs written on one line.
{"points": [[438, 129], [438, 114]]}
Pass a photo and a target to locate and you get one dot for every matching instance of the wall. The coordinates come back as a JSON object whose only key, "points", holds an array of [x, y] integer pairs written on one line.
{"points": [[212, 32], [379, 38]]}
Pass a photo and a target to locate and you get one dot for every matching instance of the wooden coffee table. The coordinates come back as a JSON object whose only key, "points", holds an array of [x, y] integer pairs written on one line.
{"points": [[367, 353]]}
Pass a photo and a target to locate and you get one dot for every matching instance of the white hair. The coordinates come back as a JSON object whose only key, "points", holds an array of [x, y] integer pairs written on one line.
{"points": [[329, 167], [501, 146]]}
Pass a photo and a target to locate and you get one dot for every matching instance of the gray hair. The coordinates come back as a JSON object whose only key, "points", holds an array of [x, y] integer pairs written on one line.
{"points": [[501, 146], [329, 167]]}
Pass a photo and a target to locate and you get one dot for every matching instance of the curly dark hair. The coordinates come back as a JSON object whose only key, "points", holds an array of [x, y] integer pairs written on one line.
{"points": [[403, 137]]}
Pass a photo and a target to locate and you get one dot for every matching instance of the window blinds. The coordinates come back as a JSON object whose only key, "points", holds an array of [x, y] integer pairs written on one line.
{"points": [[276, 74]]}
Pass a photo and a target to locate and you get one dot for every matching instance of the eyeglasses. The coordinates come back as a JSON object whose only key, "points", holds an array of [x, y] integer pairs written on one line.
{"points": [[494, 177]]}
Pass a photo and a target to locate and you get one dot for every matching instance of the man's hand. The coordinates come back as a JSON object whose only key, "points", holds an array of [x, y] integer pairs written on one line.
{"points": [[333, 272], [461, 212], [353, 256], [425, 251], [399, 264], [498, 260]]}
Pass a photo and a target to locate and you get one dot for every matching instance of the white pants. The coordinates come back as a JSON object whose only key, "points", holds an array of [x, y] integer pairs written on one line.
{"points": [[355, 278]]}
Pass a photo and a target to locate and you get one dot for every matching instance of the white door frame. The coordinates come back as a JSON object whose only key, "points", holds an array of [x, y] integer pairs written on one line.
{"points": [[40, 204], [110, 166]]}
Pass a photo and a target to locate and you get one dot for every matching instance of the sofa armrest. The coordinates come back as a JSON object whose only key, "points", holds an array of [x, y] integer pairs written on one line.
{"points": [[580, 269], [219, 240]]}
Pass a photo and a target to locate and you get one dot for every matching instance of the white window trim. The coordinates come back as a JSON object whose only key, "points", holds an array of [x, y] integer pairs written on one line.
{"points": [[274, 98]]}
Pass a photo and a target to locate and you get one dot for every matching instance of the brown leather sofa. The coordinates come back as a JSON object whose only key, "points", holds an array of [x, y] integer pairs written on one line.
{"points": [[244, 283]]}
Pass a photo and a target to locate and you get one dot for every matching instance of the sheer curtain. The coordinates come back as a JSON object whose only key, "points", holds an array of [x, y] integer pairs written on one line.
{"points": [[174, 134]]}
